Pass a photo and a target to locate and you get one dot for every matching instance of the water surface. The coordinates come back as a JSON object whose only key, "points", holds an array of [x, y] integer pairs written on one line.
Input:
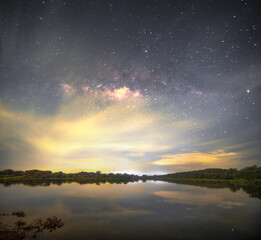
{"points": [[151, 210]]}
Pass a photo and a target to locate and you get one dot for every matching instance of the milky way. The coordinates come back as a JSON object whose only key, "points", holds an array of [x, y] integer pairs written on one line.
{"points": [[136, 86]]}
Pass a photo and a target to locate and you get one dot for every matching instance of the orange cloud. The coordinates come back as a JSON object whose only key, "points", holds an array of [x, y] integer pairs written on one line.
{"points": [[218, 158]]}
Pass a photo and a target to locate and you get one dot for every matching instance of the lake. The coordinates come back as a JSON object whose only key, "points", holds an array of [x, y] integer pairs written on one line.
{"points": [[140, 210]]}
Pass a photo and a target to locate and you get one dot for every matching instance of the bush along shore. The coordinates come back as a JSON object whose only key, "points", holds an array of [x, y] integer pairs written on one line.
{"points": [[23, 230]]}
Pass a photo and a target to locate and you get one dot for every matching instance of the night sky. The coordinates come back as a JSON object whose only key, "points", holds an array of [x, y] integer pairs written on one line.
{"points": [[130, 86]]}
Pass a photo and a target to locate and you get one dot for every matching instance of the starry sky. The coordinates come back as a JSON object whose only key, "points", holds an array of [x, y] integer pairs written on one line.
{"points": [[130, 86]]}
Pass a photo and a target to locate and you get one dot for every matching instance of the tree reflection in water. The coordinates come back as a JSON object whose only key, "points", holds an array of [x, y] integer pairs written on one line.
{"points": [[253, 188]]}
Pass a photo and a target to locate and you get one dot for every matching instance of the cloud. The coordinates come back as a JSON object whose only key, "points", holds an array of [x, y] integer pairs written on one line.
{"points": [[87, 133], [217, 158], [110, 130]]}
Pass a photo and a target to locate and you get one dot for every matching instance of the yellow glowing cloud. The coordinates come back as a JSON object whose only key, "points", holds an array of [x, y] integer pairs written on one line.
{"points": [[218, 158], [79, 137], [105, 130]]}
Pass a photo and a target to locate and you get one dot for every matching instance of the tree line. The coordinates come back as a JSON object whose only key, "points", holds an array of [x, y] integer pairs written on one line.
{"points": [[248, 173], [32, 174], [253, 172]]}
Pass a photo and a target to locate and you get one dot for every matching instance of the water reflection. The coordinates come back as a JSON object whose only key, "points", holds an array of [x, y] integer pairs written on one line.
{"points": [[253, 188], [151, 210]]}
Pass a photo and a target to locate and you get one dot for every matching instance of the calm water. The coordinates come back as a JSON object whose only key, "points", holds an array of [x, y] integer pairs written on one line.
{"points": [[151, 210]]}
